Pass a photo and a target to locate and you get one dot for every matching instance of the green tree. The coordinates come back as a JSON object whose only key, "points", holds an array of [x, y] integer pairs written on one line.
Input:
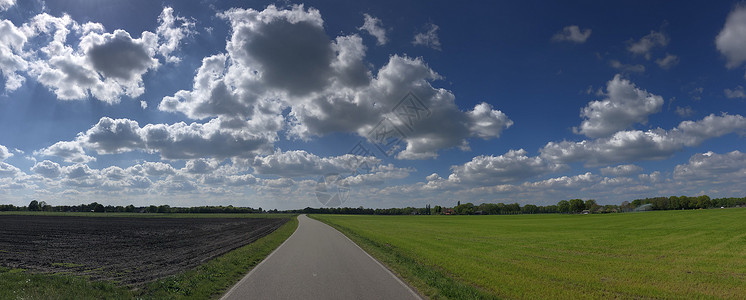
{"points": [[98, 208], [33, 206], [563, 206], [591, 205], [577, 205]]}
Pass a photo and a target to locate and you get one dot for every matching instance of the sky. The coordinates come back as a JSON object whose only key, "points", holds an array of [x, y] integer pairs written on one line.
{"points": [[369, 103]]}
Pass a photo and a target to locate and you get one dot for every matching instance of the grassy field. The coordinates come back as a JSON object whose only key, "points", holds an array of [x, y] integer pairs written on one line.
{"points": [[662, 254], [209, 280]]}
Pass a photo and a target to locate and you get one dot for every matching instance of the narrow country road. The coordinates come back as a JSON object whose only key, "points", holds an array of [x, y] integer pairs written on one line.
{"points": [[318, 262]]}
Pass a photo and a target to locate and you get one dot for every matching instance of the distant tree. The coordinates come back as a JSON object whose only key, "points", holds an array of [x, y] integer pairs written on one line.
{"points": [[464, 209], [98, 208], [164, 209], [129, 208], [591, 205], [576, 205], [33, 206], [563, 206], [529, 209]]}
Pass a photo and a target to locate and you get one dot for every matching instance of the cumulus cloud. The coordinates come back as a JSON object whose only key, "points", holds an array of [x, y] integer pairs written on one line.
{"points": [[377, 175], [634, 145], [171, 141], [6, 4], [738, 92], [645, 44], [300, 163], [510, 167], [172, 30], [621, 170], [103, 65], [668, 61], [288, 48], [113, 136], [428, 38], [374, 27], [12, 41], [47, 168], [8, 171], [731, 41], [69, 151], [573, 34], [326, 85], [711, 167], [625, 104], [4, 153]]}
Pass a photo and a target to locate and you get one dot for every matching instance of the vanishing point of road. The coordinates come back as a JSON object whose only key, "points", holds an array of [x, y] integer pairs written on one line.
{"points": [[319, 262]]}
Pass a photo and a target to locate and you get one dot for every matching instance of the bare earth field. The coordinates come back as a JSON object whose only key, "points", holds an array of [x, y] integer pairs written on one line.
{"points": [[132, 251]]}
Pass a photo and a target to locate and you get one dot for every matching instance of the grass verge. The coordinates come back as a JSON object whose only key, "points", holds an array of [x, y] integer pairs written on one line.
{"points": [[430, 281], [207, 281]]}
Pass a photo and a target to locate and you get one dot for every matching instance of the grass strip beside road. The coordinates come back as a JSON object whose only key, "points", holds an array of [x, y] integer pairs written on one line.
{"points": [[209, 280], [430, 281]]}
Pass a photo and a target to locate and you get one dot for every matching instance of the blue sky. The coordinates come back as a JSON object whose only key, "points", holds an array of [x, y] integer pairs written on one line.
{"points": [[284, 104]]}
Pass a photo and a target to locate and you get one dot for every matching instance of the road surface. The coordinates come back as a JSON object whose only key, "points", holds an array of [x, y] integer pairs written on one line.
{"points": [[318, 262]]}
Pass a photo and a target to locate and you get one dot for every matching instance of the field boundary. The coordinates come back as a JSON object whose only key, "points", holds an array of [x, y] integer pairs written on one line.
{"points": [[426, 280]]}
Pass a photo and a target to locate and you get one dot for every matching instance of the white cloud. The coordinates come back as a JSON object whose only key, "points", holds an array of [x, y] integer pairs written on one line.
{"points": [[626, 68], [374, 27], [731, 41], [377, 175], [713, 168], [654, 144], [143, 104], [48, 169], [200, 166], [684, 111], [647, 43], [564, 182], [331, 90], [69, 151], [429, 38], [12, 41], [573, 34], [8, 170], [621, 170], [510, 167], [300, 163], [172, 29], [667, 62], [6, 4], [4, 153], [174, 141], [738, 92], [103, 65], [624, 105], [113, 136]]}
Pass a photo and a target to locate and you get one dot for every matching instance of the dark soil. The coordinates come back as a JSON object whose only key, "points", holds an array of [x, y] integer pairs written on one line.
{"points": [[132, 251]]}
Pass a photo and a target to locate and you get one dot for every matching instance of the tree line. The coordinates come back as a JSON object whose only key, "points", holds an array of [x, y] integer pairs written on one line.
{"points": [[572, 206]]}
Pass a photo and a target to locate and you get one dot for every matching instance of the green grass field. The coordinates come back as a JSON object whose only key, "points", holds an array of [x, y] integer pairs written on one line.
{"points": [[207, 281], [662, 254]]}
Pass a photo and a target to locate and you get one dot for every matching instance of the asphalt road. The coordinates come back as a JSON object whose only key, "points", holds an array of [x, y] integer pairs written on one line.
{"points": [[318, 262]]}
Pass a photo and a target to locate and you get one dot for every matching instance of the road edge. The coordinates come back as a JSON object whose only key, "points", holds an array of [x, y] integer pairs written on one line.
{"points": [[245, 277]]}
